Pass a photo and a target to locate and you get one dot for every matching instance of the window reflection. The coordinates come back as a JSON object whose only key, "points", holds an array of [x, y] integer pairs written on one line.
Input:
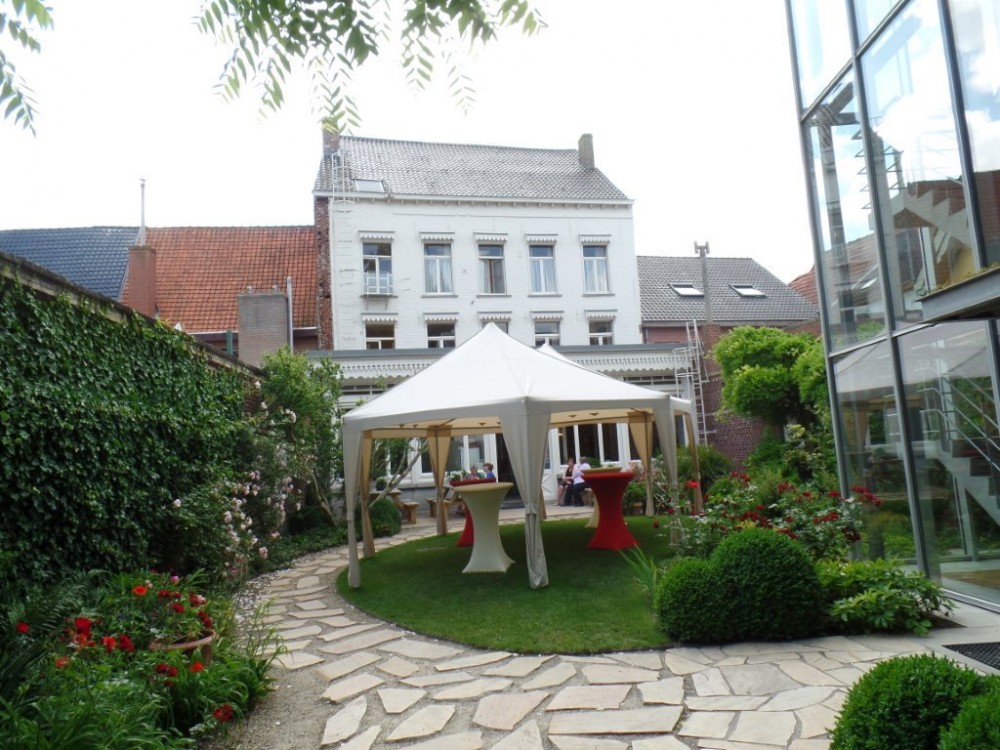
{"points": [[822, 44], [918, 180], [977, 37], [851, 282], [952, 415], [873, 447]]}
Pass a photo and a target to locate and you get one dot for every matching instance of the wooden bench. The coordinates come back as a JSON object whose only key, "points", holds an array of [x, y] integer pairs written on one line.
{"points": [[451, 498], [407, 508]]}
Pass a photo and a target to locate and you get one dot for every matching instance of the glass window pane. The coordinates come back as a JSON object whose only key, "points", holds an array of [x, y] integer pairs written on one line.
{"points": [[873, 449], [852, 289], [822, 44], [977, 38], [954, 423], [870, 13], [918, 179]]}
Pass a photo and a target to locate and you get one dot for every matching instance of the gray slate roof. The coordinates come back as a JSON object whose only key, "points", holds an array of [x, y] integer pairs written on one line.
{"points": [[660, 303], [94, 258], [410, 168]]}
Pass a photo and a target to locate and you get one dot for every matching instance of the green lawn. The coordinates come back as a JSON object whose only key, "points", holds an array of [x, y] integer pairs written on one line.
{"points": [[592, 603]]}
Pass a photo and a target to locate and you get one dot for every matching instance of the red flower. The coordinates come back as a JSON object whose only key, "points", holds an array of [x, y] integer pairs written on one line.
{"points": [[62, 662], [164, 594], [109, 643], [139, 590], [693, 484], [83, 626], [23, 627], [168, 683], [178, 608], [223, 713], [125, 643], [171, 671], [196, 600], [197, 667], [162, 667]]}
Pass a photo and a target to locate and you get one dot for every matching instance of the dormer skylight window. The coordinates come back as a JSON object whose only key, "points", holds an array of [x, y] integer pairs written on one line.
{"points": [[369, 186], [747, 290], [687, 290]]}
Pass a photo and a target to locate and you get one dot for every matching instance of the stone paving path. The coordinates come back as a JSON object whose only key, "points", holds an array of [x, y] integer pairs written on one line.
{"points": [[382, 687]]}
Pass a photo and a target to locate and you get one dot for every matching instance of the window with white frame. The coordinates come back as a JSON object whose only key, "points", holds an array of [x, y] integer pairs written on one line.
{"points": [[437, 268], [491, 275], [543, 268], [747, 290], [601, 332], [377, 267], [441, 335], [595, 269], [687, 290], [547, 332], [380, 336]]}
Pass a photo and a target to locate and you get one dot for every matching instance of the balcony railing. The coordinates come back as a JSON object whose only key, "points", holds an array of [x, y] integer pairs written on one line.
{"points": [[377, 283]]}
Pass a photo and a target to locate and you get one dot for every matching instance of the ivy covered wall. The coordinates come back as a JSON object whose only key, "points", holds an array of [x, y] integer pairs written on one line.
{"points": [[103, 425]]}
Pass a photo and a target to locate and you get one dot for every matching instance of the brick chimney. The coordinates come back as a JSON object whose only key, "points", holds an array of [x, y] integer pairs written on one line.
{"points": [[141, 280], [585, 150], [263, 324]]}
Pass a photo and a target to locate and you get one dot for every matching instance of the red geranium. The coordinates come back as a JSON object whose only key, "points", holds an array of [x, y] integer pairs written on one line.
{"points": [[23, 627], [223, 713], [140, 590], [62, 662], [197, 667]]}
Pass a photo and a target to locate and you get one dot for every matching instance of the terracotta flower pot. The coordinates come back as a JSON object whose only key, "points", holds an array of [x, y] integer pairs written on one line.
{"points": [[204, 644]]}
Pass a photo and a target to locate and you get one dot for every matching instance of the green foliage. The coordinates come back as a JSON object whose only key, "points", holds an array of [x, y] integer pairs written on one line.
{"points": [[332, 38], [689, 606], [904, 703], [817, 518], [21, 20], [385, 518], [306, 396], [104, 426], [98, 686], [871, 596], [285, 549], [977, 726], [760, 377], [756, 585], [772, 585], [645, 569], [712, 464]]}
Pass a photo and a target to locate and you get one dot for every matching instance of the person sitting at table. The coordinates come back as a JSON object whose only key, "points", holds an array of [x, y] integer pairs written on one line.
{"points": [[579, 483], [565, 483], [489, 472], [474, 473]]}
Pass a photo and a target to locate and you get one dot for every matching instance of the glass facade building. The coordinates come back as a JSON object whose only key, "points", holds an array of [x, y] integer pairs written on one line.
{"points": [[899, 106]]}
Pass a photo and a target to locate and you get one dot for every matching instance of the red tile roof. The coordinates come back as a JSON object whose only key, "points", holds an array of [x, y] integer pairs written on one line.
{"points": [[805, 284], [201, 270]]}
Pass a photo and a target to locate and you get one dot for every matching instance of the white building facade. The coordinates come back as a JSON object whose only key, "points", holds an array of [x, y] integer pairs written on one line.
{"points": [[424, 244]]}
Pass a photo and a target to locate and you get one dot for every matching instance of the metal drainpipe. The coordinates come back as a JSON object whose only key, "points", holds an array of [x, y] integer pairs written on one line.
{"points": [[288, 297]]}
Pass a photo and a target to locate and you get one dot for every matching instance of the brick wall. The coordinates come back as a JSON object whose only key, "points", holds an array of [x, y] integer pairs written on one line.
{"points": [[263, 321]]}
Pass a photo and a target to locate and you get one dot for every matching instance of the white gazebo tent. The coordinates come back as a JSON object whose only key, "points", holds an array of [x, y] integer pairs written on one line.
{"points": [[493, 383]]}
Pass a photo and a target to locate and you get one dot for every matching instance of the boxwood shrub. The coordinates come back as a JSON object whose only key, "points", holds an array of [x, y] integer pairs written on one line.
{"points": [[385, 518], [977, 726], [756, 585], [904, 703], [689, 607]]}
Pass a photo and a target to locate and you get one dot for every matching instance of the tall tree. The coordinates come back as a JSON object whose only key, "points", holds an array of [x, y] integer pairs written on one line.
{"points": [[330, 39], [762, 376]]}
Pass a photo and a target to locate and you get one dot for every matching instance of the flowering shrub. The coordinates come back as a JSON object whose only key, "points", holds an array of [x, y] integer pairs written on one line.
{"points": [[824, 522], [102, 686], [139, 608]]}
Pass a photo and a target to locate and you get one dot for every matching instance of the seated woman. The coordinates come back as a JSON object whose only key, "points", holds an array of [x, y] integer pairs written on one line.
{"points": [[565, 483]]}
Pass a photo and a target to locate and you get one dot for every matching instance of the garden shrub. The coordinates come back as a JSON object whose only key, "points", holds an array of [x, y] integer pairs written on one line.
{"points": [[756, 585], [770, 584], [977, 726], [690, 606], [904, 703], [870, 596], [385, 518], [712, 464]]}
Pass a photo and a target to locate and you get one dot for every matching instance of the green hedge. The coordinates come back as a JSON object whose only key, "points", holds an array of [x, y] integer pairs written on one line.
{"points": [[102, 425]]}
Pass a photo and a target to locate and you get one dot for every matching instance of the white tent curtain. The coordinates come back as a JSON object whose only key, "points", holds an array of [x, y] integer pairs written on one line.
{"points": [[526, 458]]}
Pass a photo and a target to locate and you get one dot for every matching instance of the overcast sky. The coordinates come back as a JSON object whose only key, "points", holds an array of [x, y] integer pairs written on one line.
{"points": [[690, 105]]}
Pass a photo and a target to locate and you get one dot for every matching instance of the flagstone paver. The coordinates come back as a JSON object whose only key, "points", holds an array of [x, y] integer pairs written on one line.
{"points": [[426, 721], [345, 722], [396, 690], [595, 697], [504, 712], [336, 669]]}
